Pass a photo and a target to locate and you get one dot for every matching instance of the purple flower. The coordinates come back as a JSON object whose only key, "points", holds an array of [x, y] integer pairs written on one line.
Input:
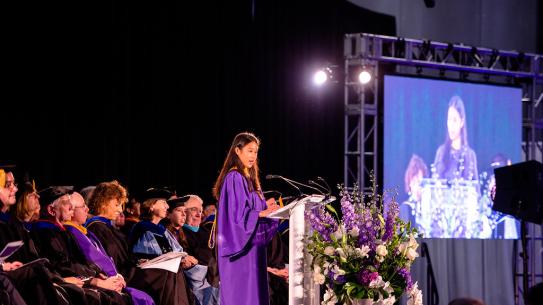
{"points": [[368, 231], [350, 218], [322, 222], [340, 279], [406, 276], [392, 214], [365, 277]]}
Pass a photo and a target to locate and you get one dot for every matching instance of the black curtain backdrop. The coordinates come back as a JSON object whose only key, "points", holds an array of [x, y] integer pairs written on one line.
{"points": [[152, 93]]}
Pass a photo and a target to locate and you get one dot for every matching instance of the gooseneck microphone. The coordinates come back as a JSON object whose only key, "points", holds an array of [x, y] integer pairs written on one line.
{"points": [[294, 183], [268, 177], [322, 188], [327, 185]]}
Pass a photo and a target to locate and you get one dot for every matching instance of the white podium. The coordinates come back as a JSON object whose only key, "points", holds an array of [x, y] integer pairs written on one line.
{"points": [[301, 289]]}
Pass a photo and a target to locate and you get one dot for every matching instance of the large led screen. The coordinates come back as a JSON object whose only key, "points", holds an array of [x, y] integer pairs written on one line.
{"points": [[442, 141]]}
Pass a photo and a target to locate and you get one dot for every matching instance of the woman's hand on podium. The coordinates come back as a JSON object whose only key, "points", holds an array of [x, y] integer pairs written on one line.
{"points": [[272, 207]]}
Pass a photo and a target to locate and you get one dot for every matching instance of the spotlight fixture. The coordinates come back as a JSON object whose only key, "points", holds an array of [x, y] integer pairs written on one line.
{"points": [[364, 77], [325, 75], [320, 77]]}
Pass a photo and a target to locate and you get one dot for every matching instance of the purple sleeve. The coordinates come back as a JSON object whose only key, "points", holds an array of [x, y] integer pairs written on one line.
{"points": [[237, 221], [265, 231]]}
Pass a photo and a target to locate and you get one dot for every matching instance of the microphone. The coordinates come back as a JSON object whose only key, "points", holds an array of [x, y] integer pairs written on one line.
{"points": [[325, 183], [295, 182], [316, 184], [268, 177]]}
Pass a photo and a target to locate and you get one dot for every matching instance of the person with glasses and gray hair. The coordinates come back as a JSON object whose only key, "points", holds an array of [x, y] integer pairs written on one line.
{"points": [[197, 238]]}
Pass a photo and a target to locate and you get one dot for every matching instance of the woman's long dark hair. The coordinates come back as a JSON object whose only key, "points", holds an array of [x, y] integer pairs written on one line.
{"points": [[232, 162], [456, 103]]}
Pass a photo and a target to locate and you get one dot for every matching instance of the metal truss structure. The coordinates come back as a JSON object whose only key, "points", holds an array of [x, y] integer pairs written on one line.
{"points": [[376, 53]]}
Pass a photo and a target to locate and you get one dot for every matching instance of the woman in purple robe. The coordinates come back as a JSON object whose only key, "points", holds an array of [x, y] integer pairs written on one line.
{"points": [[95, 253], [242, 227]]}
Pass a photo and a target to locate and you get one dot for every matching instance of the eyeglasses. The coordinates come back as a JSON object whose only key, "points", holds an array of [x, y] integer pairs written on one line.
{"points": [[195, 210]]}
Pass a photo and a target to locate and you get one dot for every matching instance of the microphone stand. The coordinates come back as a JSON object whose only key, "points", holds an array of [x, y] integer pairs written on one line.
{"points": [[304, 185], [300, 193], [433, 295], [318, 185]]}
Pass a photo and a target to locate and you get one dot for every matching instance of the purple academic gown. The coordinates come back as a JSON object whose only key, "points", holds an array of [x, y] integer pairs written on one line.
{"points": [[241, 240], [94, 252]]}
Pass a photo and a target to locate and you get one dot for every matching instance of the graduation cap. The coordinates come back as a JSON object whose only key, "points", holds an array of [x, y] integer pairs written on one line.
{"points": [[52, 193], [153, 192], [177, 202]]}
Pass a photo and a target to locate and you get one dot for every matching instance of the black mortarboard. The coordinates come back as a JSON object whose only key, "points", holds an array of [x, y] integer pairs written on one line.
{"points": [[7, 165], [157, 193], [177, 202], [52, 193]]}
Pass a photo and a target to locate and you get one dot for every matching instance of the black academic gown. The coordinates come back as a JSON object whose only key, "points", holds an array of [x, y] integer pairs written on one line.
{"points": [[9, 295], [277, 258], [33, 281], [166, 288], [59, 246], [198, 247]]}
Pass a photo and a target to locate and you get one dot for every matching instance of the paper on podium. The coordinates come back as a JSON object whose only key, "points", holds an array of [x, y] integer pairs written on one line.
{"points": [[169, 261], [284, 212]]}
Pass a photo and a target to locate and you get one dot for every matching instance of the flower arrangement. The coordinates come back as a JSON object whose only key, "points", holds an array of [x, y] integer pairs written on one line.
{"points": [[365, 254]]}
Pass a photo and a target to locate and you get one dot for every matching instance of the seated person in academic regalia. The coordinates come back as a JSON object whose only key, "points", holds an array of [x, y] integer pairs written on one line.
{"points": [[37, 281], [198, 236], [208, 215], [150, 238], [277, 255], [165, 287], [132, 215], [95, 253], [61, 249], [8, 293], [205, 294]]}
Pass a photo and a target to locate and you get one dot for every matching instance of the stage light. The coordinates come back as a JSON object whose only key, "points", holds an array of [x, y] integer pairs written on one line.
{"points": [[328, 74], [319, 78], [364, 77]]}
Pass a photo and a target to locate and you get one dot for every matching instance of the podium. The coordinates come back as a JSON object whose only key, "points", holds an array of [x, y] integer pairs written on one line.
{"points": [[301, 288]]}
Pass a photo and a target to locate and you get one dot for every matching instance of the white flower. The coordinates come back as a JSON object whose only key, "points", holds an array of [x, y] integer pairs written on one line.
{"points": [[381, 250], [388, 301], [414, 295], [413, 242], [339, 232], [337, 272], [329, 251], [326, 267], [349, 250], [411, 254], [409, 248], [362, 252], [354, 232], [377, 283], [387, 288], [318, 278], [329, 298], [341, 253]]}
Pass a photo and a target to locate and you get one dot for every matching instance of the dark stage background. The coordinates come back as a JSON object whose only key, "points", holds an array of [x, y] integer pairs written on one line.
{"points": [[152, 94]]}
